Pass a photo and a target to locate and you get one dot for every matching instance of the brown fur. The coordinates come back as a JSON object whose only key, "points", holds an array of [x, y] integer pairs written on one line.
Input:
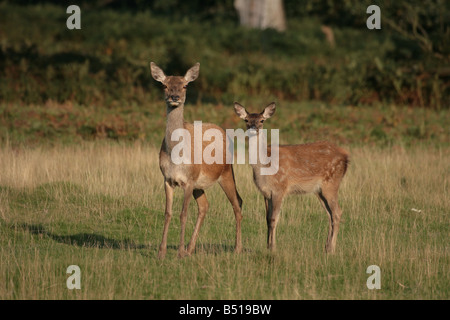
{"points": [[305, 168], [193, 178]]}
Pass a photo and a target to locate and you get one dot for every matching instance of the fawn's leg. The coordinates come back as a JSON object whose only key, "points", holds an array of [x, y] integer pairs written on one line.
{"points": [[272, 217], [328, 199], [269, 208]]}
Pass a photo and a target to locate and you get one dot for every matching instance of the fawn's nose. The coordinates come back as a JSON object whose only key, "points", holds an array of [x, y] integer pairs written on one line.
{"points": [[175, 98]]}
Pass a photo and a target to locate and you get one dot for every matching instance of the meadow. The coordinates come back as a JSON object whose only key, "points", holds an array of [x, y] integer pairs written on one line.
{"points": [[81, 122], [100, 205]]}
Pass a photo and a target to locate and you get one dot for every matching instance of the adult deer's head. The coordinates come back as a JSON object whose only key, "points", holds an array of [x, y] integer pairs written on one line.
{"points": [[174, 86]]}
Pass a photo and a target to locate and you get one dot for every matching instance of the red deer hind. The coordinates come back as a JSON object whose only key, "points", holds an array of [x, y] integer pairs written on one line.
{"points": [[193, 178]]}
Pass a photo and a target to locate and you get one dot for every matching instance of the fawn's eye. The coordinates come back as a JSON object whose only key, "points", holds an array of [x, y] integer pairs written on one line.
{"points": [[164, 86], [262, 121], [184, 87], [246, 120]]}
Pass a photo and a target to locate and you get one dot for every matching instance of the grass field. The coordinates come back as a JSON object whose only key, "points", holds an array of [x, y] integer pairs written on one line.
{"points": [[101, 206], [81, 122]]}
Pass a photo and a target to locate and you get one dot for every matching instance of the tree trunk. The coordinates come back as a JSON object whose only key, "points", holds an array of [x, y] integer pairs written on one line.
{"points": [[261, 14]]}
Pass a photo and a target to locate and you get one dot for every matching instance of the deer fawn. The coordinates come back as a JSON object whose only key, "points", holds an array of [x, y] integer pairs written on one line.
{"points": [[193, 178], [304, 168]]}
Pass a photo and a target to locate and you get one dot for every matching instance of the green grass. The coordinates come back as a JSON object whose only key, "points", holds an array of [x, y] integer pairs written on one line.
{"points": [[104, 213], [68, 123]]}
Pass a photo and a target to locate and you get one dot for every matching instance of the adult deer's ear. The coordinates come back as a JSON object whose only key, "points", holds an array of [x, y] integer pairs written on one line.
{"points": [[157, 72], [269, 111], [192, 73], [240, 110]]}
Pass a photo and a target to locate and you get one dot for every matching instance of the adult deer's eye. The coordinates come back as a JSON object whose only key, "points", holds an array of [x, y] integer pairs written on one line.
{"points": [[246, 120], [184, 87], [164, 86], [262, 121]]}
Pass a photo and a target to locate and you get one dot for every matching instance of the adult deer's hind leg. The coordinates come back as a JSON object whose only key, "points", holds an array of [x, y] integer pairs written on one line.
{"points": [[228, 185]]}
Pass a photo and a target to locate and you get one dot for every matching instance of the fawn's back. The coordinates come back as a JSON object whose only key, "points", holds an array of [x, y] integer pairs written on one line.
{"points": [[304, 168]]}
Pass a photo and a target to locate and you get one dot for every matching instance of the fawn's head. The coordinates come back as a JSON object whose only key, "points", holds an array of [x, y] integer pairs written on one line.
{"points": [[174, 86], [254, 121]]}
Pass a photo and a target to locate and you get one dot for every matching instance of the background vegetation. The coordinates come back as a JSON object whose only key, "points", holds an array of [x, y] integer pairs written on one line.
{"points": [[81, 122], [60, 85], [106, 63]]}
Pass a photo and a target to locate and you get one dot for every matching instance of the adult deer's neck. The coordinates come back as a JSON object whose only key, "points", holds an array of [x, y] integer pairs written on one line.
{"points": [[175, 120]]}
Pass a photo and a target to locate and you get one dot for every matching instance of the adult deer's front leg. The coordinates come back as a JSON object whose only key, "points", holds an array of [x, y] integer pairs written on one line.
{"points": [[188, 190], [202, 203], [167, 217]]}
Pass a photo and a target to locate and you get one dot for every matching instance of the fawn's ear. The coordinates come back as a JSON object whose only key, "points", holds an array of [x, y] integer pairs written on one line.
{"points": [[157, 72], [240, 110], [269, 111], [192, 73]]}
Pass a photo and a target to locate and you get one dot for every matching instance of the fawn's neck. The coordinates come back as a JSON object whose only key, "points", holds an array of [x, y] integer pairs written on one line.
{"points": [[262, 163], [257, 150], [175, 120]]}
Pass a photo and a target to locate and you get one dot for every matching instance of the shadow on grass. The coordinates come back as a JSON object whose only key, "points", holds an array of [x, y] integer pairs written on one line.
{"points": [[217, 248], [89, 240], [92, 240]]}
